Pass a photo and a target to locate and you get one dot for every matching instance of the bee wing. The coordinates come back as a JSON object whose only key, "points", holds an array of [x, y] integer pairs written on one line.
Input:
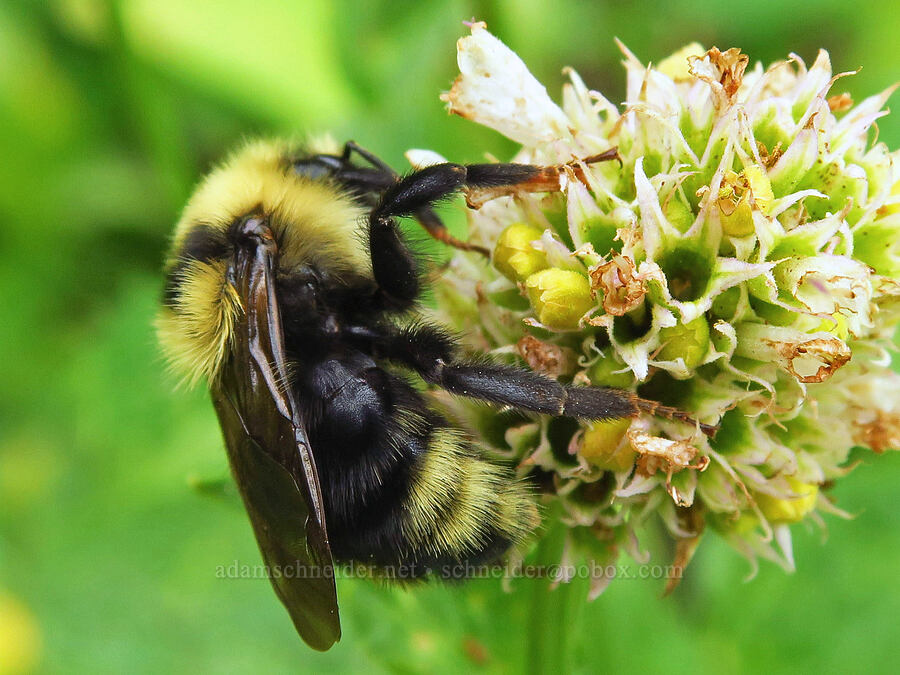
{"points": [[270, 454]]}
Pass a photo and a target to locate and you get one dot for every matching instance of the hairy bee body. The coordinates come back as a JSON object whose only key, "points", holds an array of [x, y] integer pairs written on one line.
{"points": [[317, 225], [289, 289], [400, 486]]}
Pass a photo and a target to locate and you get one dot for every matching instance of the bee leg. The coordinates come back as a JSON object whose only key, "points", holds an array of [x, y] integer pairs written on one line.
{"points": [[392, 264], [427, 186], [482, 183], [384, 176], [351, 146], [489, 181], [435, 227], [529, 391], [430, 351]]}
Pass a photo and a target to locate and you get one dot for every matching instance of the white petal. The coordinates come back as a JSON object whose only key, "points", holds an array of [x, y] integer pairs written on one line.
{"points": [[496, 89], [419, 159]]}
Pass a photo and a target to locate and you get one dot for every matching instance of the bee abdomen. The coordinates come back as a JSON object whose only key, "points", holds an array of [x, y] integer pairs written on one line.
{"points": [[462, 508], [402, 490]]}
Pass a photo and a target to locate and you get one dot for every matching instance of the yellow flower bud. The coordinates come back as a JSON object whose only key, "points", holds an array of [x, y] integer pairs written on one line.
{"points": [[514, 256], [602, 445], [677, 65], [688, 340], [837, 326], [559, 297], [679, 214], [759, 184], [735, 211], [789, 510], [740, 524], [893, 207], [736, 219]]}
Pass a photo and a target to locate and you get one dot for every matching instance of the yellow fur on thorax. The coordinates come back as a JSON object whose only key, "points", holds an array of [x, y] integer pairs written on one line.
{"points": [[313, 221], [319, 223]]}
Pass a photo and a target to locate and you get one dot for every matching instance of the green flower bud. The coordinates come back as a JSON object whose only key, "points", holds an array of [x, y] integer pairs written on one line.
{"points": [[559, 297], [790, 510], [725, 304], [878, 245], [688, 340], [602, 445], [603, 374], [844, 184], [809, 357], [774, 315], [741, 525], [601, 230], [734, 433], [514, 256], [510, 298]]}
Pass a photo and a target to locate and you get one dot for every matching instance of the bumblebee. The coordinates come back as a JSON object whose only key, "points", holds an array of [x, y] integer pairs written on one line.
{"points": [[291, 291]]}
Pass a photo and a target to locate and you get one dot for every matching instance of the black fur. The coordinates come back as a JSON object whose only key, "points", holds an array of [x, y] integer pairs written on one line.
{"points": [[203, 243], [368, 460]]}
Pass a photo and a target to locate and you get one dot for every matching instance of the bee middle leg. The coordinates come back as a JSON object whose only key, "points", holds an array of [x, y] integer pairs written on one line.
{"points": [[531, 391], [430, 351]]}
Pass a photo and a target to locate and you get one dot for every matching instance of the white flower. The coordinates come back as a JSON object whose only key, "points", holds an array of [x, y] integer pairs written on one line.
{"points": [[742, 262]]}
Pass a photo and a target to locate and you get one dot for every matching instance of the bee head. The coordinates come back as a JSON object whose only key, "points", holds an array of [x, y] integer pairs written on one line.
{"points": [[255, 194]]}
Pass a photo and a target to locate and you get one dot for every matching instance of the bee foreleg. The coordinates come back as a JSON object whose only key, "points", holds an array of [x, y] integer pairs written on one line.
{"points": [[393, 265]]}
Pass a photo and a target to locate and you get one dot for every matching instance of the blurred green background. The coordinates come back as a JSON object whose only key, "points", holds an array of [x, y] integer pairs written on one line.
{"points": [[109, 112]]}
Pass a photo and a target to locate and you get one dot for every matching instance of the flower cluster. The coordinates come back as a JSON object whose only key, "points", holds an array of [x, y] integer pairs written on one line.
{"points": [[739, 261]]}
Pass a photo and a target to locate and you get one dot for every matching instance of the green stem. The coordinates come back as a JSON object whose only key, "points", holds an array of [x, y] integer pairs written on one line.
{"points": [[550, 625]]}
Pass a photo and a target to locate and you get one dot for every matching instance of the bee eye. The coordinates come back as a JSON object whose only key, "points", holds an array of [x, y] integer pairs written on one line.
{"points": [[306, 280]]}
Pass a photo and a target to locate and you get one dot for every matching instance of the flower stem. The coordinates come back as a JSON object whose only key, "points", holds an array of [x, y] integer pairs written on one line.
{"points": [[550, 625]]}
